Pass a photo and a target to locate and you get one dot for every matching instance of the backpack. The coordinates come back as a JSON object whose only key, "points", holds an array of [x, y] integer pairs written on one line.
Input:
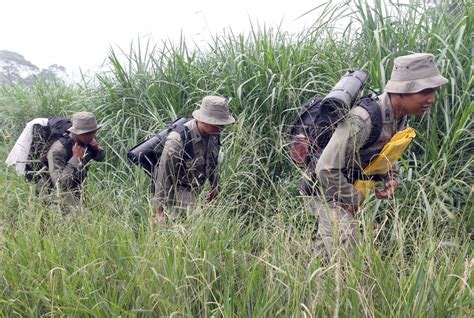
{"points": [[147, 153], [43, 138], [316, 122]]}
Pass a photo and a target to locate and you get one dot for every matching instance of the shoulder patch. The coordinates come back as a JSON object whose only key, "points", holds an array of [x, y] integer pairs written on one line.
{"points": [[173, 135], [355, 127]]}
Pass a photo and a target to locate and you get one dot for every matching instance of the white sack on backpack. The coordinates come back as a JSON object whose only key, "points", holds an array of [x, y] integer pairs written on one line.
{"points": [[19, 153]]}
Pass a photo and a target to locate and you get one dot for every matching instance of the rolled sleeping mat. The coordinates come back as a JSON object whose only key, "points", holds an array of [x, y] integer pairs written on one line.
{"points": [[340, 99]]}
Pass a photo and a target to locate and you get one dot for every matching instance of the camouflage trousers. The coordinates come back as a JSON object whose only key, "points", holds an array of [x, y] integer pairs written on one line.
{"points": [[67, 201], [338, 231], [183, 206]]}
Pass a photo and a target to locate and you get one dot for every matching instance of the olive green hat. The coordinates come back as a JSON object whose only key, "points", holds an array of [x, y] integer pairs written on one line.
{"points": [[414, 73], [214, 110], [83, 123]]}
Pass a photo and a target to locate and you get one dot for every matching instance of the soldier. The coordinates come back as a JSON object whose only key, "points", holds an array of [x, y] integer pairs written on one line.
{"points": [[183, 169], [411, 90], [68, 160]]}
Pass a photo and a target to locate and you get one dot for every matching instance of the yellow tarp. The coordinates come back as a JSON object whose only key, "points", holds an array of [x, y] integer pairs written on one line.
{"points": [[388, 156]]}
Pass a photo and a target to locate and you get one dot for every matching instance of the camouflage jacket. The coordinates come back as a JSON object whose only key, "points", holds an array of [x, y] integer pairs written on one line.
{"points": [[67, 173], [344, 151], [178, 170]]}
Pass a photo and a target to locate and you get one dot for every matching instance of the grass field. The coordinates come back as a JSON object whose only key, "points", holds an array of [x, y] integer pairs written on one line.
{"points": [[250, 253]]}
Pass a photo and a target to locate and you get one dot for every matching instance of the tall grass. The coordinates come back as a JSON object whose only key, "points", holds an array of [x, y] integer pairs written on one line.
{"points": [[250, 253]]}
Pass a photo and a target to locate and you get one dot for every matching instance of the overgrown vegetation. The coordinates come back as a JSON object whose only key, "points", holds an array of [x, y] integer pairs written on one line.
{"points": [[250, 253]]}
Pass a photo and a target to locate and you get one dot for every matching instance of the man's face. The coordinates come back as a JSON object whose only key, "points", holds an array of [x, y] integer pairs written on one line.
{"points": [[208, 129], [85, 139], [418, 103]]}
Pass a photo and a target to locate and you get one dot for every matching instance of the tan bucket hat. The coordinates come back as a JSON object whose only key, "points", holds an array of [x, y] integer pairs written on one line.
{"points": [[414, 73], [214, 110], [83, 123]]}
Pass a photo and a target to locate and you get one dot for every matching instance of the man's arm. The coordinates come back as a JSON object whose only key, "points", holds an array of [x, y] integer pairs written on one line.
{"points": [[214, 174], [98, 155], [213, 180], [95, 152], [391, 182], [169, 169], [341, 150], [62, 171]]}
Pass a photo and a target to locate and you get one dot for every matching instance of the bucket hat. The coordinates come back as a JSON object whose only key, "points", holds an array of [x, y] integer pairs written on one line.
{"points": [[83, 123], [414, 73], [214, 110]]}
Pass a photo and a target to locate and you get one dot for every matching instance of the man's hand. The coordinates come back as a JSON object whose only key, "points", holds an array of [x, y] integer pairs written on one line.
{"points": [[212, 193], [299, 149], [94, 144], [390, 187], [160, 215], [78, 151]]}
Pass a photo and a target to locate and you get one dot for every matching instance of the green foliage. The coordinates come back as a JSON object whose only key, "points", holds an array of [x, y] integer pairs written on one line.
{"points": [[250, 253], [19, 104]]}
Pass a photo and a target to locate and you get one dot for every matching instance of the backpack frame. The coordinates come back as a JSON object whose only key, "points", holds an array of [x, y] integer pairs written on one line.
{"points": [[42, 139], [319, 132], [147, 153]]}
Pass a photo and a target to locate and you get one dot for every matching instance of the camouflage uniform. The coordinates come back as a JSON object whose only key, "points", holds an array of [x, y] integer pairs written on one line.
{"points": [[342, 155], [66, 173], [180, 178], [411, 74]]}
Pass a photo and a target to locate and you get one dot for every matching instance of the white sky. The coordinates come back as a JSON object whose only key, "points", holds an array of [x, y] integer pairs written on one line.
{"points": [[79, 33]]}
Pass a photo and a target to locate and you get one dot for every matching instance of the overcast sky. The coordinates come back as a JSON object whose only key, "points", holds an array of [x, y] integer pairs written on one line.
{"points": [[77, 33]]}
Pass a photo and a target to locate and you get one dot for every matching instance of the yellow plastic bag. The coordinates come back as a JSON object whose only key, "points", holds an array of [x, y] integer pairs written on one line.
{"points": [[391, 152], [365, 186], [389, 155]]}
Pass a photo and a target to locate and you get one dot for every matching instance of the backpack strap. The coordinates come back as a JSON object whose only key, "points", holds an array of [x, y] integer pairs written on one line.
{"points": [[68, 143], [185, 135], [372, 107], [375, 113]]}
